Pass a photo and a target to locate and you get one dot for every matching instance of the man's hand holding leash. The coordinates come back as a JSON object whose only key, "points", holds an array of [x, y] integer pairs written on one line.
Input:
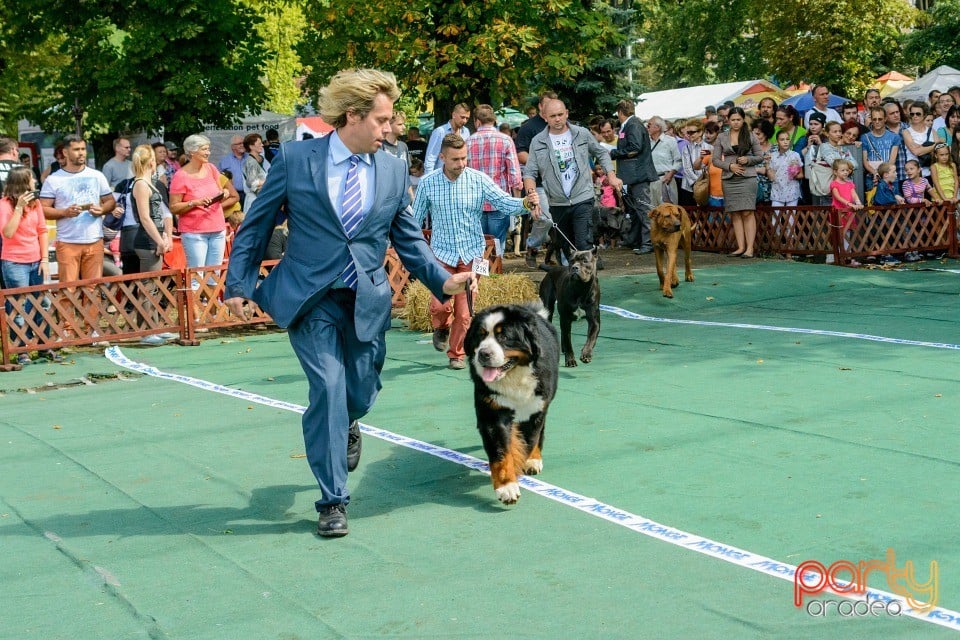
{"points": [[238, 307], [458, 283]]}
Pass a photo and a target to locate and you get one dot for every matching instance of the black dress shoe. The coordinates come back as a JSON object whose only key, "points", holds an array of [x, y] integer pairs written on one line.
{"points": [[332, 522], [354, 446]]}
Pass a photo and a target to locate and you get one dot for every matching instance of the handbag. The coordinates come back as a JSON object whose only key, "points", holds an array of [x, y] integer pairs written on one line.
{"points": [[821, 174], [701, 187], [926, 159]]}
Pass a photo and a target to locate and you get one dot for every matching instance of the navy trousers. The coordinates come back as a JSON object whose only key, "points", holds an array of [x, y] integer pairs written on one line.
{"points": [[344, 378]]}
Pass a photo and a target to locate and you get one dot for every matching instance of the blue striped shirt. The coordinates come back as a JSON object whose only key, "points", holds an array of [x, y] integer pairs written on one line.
{"points": [[456, 209]]}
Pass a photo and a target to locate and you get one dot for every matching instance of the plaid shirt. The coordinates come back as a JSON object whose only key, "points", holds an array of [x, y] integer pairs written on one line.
{"points": [[455, 207], [494, 153]]}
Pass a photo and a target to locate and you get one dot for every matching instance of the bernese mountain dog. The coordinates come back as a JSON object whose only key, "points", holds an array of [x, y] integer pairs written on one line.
{"points": [[514, 357]]}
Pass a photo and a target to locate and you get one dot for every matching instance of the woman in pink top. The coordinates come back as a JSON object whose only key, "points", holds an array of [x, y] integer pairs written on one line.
{"points": [[195, 198], [23, 258]]}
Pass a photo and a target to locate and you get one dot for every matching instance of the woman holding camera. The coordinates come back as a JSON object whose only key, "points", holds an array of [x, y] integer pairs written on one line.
{"points": [[196, 198], [23, 258]]}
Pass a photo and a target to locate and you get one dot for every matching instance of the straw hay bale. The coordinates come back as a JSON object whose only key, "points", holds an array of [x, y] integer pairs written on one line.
{"points": [[495, 289]]}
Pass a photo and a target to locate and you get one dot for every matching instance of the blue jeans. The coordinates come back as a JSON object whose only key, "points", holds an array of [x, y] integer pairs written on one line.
{"points": [[496, 223], [19, 274], [204, 250]]}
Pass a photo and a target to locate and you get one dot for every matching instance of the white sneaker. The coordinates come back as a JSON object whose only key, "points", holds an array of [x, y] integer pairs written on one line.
{"points": [[152, 341], [169, 336]]}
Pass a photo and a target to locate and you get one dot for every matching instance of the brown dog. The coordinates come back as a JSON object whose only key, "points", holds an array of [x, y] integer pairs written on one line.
{"points": [[669, 230]]}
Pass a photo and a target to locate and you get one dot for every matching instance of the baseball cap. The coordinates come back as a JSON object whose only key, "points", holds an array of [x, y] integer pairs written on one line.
{"points": [[819, 117], [171, 145]]}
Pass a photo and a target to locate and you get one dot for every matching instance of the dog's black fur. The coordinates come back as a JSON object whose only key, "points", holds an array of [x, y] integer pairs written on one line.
{"points": [[574, 288], [513, 354]]}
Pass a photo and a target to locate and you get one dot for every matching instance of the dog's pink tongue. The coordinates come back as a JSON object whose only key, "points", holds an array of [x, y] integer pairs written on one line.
{"points": [[490, 374]]}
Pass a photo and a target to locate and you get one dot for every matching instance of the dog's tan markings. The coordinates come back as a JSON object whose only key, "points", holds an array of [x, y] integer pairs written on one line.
{"points": [[534, 462], [491, 402], [522, 357], [504, 472]]}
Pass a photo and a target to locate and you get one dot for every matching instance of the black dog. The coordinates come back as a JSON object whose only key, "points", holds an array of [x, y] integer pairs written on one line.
{"points": [[514, 356], [574, 288]]}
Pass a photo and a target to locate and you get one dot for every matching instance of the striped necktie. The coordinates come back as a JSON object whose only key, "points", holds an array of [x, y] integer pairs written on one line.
{"points": [[351, 215]]}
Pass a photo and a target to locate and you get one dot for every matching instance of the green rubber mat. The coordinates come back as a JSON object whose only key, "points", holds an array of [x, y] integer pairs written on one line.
{"points": [[767, 416]]}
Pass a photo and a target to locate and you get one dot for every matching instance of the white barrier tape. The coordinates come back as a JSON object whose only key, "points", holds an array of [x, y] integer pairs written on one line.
{"points": [[727, 553], [630, 315]]}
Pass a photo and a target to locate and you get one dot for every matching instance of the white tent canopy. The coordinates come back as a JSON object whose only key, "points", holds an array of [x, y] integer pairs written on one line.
{"points": [[941, 79], [689, 101]]}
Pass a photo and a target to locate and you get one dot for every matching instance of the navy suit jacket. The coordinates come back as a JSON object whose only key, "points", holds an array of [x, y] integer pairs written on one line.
{"points": [[318, 246]]}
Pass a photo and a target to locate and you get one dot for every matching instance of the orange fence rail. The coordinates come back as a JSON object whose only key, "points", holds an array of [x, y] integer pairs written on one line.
{"points": [[188, 301], [805, 230], [180, 300]]}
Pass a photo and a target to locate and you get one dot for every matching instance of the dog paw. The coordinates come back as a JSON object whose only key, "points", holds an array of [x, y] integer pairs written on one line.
{"points": [[689, 278], [508, 493], [675, 282], [668, 294], [533, 466], [570, 361], [586, 357]]}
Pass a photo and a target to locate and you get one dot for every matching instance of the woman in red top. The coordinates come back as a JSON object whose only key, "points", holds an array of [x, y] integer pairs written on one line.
{"points": [[195, 198], [23, 258]]}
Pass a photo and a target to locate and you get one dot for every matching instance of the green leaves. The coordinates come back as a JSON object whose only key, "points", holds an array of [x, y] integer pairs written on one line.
{"points": [[459, 51], [823, 41], [937, 40], [140, 64]]}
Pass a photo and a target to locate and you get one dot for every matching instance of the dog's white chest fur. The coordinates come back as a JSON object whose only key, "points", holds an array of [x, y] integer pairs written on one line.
{"points": [[517, 391]]}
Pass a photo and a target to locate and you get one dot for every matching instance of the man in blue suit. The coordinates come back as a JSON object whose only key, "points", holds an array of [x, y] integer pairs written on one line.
{"points": [[344, 199]]}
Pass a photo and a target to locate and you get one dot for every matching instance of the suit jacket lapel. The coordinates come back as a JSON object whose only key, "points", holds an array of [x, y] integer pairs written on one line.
{"points": [[318, 169]]}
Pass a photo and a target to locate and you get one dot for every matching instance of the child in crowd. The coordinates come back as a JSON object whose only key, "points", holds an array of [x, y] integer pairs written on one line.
{"points": [[887, 188], [785, 171], [886, 195], [915, 188], [915, 191], [943, 173], [416, 172], [234, 213], [610, 209], [845, 199]]}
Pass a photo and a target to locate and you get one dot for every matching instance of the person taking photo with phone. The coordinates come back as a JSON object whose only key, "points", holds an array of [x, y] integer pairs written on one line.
{"points": [[197, 199]]}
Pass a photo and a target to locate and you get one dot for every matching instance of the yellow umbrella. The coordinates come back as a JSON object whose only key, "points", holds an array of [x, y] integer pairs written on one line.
{"points": [[750, 97], [890, 83]]}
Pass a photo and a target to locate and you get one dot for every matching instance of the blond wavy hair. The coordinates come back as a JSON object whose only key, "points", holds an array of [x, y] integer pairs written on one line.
{"points": [[355, 90], [140, 159]]}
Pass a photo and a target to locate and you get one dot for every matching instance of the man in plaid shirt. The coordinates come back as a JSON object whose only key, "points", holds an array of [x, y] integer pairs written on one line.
{"points": [[494, 153], [454, 198]]}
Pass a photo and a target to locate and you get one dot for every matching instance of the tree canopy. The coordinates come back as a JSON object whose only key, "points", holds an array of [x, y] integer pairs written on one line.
{"points": [[937, 40], [179, 64], [135, 65], [830, 42], [458, 50]]}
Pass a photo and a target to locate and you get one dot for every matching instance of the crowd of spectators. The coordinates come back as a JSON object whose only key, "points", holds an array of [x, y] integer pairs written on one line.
{"points": [[880, 151]]}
